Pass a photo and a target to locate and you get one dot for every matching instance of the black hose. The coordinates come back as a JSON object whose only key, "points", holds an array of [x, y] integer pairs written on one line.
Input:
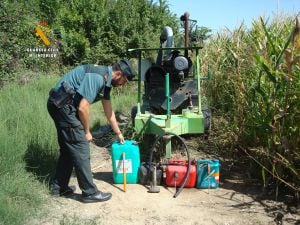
{"points": [[188, 156]]}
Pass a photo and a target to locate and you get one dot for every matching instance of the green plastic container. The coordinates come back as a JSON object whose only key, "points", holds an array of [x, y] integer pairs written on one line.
{"points": [[132, 161]]}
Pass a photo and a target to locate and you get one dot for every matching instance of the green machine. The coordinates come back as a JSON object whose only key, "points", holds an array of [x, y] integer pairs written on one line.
{"points": [[189, 118], [170, 104]]}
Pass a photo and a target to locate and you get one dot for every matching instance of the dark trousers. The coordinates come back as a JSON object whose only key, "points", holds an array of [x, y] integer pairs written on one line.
{"points": [[74, 149]]}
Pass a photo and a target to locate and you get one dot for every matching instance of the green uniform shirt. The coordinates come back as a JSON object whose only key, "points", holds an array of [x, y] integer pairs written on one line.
{"points": [[87, 80]]}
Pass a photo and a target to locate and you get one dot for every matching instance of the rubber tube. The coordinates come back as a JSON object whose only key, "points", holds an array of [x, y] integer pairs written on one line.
{"points": [[188, 156]]}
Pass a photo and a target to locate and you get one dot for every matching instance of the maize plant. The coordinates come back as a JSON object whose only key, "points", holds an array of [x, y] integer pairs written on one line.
{"points": [[256, 83]]}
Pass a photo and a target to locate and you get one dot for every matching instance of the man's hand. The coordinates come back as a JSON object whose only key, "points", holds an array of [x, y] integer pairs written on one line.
{"points": [[89, 136], [121, 138], [110, 115]]}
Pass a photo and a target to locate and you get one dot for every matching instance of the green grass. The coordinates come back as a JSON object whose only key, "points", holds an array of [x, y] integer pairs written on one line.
{"points": [[122, 98], [28, 145], [28, 149]]}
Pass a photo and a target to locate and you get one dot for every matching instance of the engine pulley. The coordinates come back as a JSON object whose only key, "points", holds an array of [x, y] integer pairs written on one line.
{"points": [[181, 63]]}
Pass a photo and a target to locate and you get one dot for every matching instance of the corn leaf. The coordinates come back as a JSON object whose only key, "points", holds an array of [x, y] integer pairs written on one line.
{"points": [[266, 68], [267, 34], [262, 92], [277, 63]]}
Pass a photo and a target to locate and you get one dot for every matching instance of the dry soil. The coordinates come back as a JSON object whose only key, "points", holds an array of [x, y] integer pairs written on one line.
{"points": [[234, 203]]}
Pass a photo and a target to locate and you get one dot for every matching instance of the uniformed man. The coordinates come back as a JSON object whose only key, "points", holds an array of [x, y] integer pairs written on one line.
{"points": [[69, 106]]}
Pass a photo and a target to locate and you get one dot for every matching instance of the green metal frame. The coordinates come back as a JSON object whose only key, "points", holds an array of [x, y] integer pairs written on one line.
{"points": [[190, 121]]}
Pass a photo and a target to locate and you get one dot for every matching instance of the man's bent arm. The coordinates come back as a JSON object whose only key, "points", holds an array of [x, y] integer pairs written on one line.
{"points": [[110, 115]]}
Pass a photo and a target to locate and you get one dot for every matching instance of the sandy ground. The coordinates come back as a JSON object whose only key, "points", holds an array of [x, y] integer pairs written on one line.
{"points": [[231, 204]]}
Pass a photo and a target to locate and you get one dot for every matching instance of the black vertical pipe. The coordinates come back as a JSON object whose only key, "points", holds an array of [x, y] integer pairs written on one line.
{"points": [[186, 33], [139, 80]]}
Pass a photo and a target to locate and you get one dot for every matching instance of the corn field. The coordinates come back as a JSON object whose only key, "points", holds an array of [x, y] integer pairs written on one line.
{"points": [[255, 85]]}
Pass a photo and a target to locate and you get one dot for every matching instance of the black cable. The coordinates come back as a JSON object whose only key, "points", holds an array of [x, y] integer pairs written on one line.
{"points": [[188, 156]]}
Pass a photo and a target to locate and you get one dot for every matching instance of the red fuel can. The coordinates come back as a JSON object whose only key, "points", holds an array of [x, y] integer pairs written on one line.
{"points": [[176, 171]]}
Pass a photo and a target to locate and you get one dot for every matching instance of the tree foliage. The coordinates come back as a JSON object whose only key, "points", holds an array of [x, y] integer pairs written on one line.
{"points": [[15, 35], [104, 29], [88, 30]]}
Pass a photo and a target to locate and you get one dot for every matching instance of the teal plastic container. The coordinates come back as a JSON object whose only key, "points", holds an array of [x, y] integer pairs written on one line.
{"points": [[208, 173], [132, 161]]}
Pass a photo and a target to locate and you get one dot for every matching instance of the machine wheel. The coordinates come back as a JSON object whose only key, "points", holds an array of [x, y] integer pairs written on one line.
{"points": [[158, 151], [133, 114], [207, 119]]}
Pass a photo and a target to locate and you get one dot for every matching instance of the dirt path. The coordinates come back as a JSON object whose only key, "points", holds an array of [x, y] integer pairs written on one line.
{"points": [[223, 206]]}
